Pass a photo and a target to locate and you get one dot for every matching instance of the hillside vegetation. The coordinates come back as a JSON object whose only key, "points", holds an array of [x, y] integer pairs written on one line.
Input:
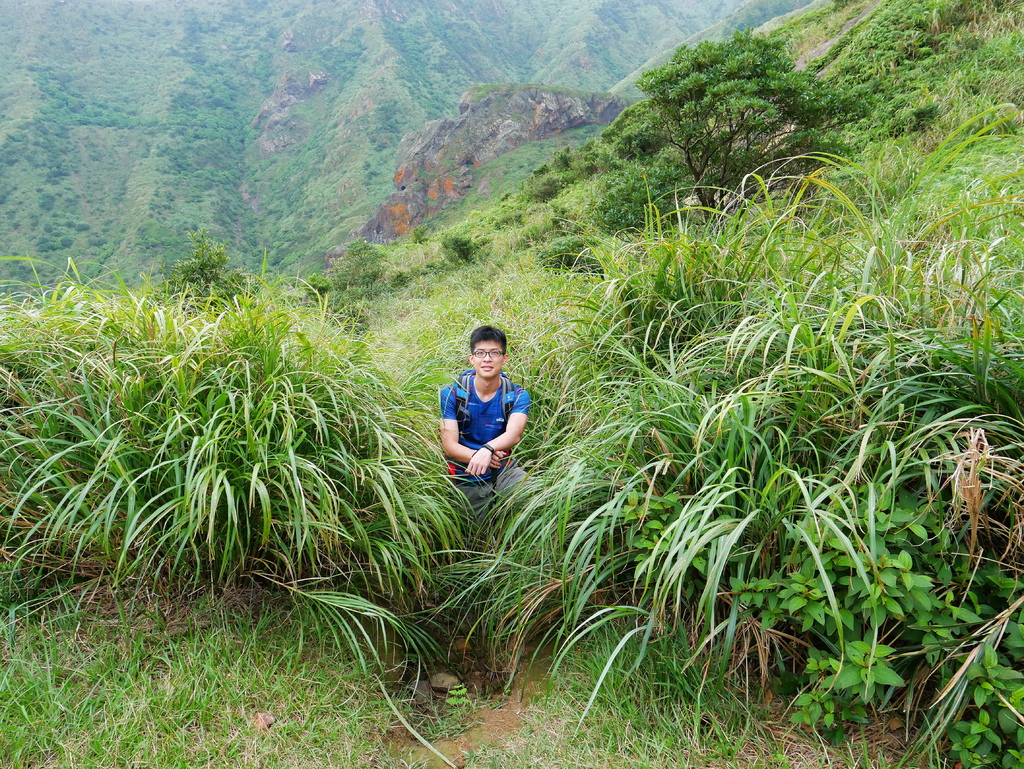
{"points": [[274, 125], [775, 448]]}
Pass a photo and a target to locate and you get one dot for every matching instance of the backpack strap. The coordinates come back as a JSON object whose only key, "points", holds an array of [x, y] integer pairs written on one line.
{"points": [[460, 388], [508, 395]]}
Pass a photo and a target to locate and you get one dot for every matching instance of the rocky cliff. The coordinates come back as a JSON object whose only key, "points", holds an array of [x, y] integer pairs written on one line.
{"points": [[436, 165], [278, 129]]}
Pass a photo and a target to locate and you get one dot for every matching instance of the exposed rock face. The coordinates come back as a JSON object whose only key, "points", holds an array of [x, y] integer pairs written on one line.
{"points": [[274, 117], [435, 166], [381, 9]]}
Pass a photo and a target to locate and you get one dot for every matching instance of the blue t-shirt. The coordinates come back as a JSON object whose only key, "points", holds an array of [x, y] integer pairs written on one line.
{"points": [[486, 421]]}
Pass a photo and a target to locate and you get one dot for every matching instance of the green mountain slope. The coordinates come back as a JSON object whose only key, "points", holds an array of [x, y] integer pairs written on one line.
{"points": [[123, 124], [924, 71], [751, 13]]}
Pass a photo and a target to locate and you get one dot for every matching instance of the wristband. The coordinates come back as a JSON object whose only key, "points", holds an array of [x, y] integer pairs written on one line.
{"points": [[489, 447]]}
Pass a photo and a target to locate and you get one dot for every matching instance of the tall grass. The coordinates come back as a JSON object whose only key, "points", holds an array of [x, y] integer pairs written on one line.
{"points": [[806, 458], [781, 449], [158, 441]]}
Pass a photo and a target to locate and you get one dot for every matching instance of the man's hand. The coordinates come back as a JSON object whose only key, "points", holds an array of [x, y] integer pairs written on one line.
{"points": [[481, 461]]}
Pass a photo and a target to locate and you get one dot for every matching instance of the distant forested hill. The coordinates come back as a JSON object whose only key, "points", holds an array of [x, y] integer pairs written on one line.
{"points": [[125, 123]]}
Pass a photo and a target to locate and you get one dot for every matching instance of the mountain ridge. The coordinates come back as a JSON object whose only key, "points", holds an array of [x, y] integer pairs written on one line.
{"points": [[125, 124]]}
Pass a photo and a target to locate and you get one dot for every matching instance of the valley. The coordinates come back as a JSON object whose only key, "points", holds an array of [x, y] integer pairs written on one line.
{"points": [[125, 124]]}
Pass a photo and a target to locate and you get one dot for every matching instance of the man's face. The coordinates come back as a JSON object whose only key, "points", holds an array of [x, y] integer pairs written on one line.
{"points": [[487, 359]]}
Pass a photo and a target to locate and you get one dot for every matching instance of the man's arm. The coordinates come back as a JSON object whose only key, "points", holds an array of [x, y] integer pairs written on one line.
{"points": [[450, 442], [477, 462], [513, 432]]}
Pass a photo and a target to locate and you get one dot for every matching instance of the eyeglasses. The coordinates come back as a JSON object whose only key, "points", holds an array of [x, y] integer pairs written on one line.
{"points": [[481, 354]]}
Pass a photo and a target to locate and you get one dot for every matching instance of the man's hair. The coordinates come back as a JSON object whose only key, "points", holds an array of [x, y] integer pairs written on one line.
{"points": [[488, 334]]}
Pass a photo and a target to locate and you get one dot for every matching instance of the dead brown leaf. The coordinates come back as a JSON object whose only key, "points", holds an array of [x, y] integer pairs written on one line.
{"points": [[263, 721]]}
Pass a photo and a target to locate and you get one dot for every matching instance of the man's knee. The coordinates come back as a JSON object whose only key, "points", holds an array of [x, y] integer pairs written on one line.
{"points": [[509, 482], [473, 499]]}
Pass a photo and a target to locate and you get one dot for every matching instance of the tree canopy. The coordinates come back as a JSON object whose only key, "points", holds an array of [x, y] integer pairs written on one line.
{"points": [[739, 106]]}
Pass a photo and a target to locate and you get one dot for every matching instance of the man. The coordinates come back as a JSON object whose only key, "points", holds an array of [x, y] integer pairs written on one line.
{"points": [[482, 419]]}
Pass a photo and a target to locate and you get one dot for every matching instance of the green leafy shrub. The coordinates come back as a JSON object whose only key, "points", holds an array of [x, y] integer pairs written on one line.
{"points": [[461, 249], [317, 286], [629, 198], [204, 272], [635, 133], [542, 185], [355, 278], [568, 166], [357, 273], [568, 252]]}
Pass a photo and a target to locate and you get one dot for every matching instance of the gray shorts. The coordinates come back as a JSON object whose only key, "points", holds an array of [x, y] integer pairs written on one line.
{"points": [[478, 499]]}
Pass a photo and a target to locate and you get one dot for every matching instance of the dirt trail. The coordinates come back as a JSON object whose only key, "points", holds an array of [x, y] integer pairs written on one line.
{"points": [[493, 726], [824, 48], [493, 723]]}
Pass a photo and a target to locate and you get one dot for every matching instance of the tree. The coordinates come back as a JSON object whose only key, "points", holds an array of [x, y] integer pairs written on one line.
{"points": [[358, 272], [205, 271], [738, 106]]}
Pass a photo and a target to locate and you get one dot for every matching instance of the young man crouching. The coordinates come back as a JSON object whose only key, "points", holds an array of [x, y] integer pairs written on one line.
{"points": [[483, 415]]}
